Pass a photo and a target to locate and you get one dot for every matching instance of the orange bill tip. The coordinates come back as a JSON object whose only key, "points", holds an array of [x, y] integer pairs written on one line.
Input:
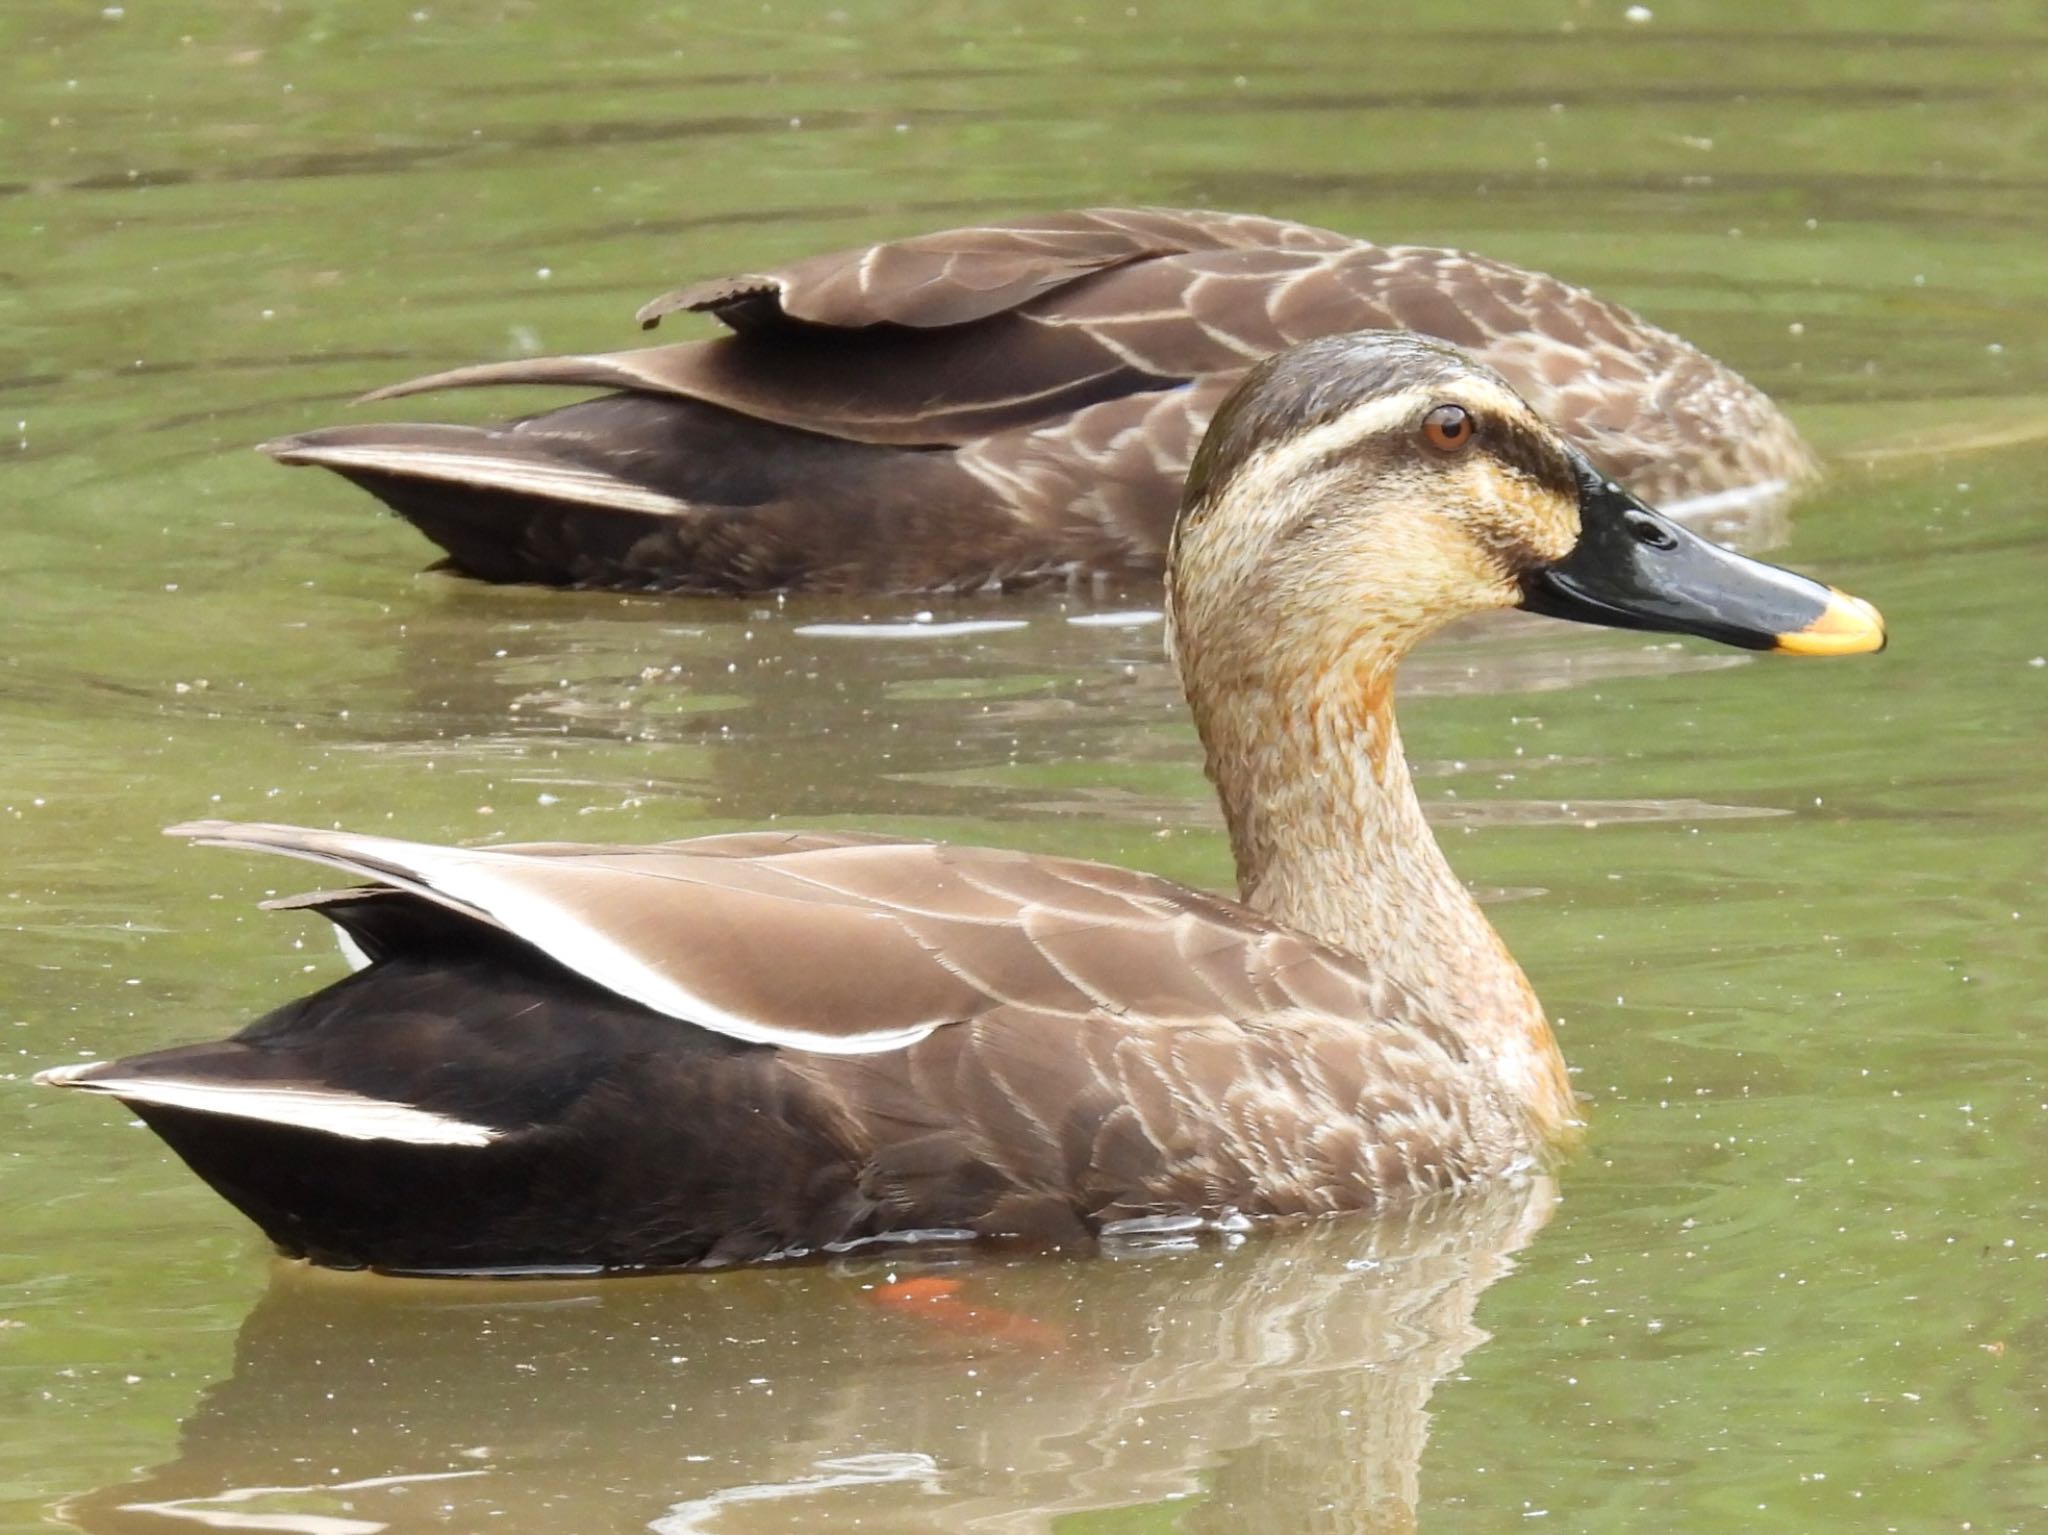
{"points": [[1847, 626]]}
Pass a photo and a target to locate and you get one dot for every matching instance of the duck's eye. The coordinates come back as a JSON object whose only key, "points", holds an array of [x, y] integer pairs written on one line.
{"points": [[1448, 428]]}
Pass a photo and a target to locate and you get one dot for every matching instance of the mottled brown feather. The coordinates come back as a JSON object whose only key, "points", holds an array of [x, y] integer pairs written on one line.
{"points": [[960, 933]]}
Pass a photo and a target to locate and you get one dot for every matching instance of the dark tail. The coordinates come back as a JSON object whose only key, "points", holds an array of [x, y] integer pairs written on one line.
{"points": [[479, 1112], [660, 493]]}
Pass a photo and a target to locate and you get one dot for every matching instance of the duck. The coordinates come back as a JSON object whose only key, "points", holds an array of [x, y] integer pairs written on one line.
{"points": [[770, 1044], [1002, 406]]}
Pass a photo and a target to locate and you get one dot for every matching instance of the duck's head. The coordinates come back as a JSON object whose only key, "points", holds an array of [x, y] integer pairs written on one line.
{"points": [[1361, 491]]}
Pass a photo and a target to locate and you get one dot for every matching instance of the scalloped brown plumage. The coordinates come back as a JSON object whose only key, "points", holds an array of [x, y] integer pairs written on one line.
{"points": [[997, 405]]}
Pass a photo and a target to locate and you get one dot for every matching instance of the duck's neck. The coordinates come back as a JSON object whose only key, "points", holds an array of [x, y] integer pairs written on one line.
{"points": [[1330, 839]]}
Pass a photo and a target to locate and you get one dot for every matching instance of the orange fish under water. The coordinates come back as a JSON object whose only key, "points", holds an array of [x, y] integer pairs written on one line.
{"points": [[938, 1301]]}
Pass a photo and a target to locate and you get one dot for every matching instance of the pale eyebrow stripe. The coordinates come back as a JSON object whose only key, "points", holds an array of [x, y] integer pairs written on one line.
{"points": [[1272, 469], [1296, 456]]}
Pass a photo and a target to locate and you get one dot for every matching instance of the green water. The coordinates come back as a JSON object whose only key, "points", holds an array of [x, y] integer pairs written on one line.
{"points": [[1790, 914]]}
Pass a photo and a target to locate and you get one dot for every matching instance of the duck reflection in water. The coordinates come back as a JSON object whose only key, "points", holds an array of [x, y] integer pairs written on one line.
{"points": [[1278, 1385]]}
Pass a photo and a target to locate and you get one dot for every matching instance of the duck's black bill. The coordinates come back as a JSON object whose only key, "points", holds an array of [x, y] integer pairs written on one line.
{"points": [[1634, 568]]}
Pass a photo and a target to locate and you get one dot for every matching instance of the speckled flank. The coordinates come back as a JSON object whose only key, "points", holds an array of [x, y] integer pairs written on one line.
{"points": [[996, 405]]}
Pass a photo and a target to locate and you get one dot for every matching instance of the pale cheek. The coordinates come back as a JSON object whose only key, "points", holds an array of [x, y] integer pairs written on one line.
{"points": [[1507, 592], [1558, 534], [1434, 573], [1540, 520]]}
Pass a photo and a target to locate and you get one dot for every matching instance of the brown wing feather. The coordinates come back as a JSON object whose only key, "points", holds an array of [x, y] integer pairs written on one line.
{"points": [[957, 276], [888, 385], [850, 944]]}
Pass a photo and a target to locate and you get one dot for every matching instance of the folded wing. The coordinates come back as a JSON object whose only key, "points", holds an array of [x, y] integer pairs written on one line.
{"points": [[843, 944]]}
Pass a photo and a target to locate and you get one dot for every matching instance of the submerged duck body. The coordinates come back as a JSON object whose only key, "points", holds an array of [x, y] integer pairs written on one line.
{"points": [[993, 406], [741, 1047]]}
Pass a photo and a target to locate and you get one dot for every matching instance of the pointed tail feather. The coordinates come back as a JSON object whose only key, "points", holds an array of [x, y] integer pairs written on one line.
{"points": [[231, 1081], [483, 460], [618, 370]]}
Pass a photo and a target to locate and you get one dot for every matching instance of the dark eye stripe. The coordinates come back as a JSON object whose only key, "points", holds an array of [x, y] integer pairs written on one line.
{"points": [[1514, 444]]}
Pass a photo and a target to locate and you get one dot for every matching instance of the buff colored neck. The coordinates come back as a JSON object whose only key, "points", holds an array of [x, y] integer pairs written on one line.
{"points": [[1330, 839]]}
